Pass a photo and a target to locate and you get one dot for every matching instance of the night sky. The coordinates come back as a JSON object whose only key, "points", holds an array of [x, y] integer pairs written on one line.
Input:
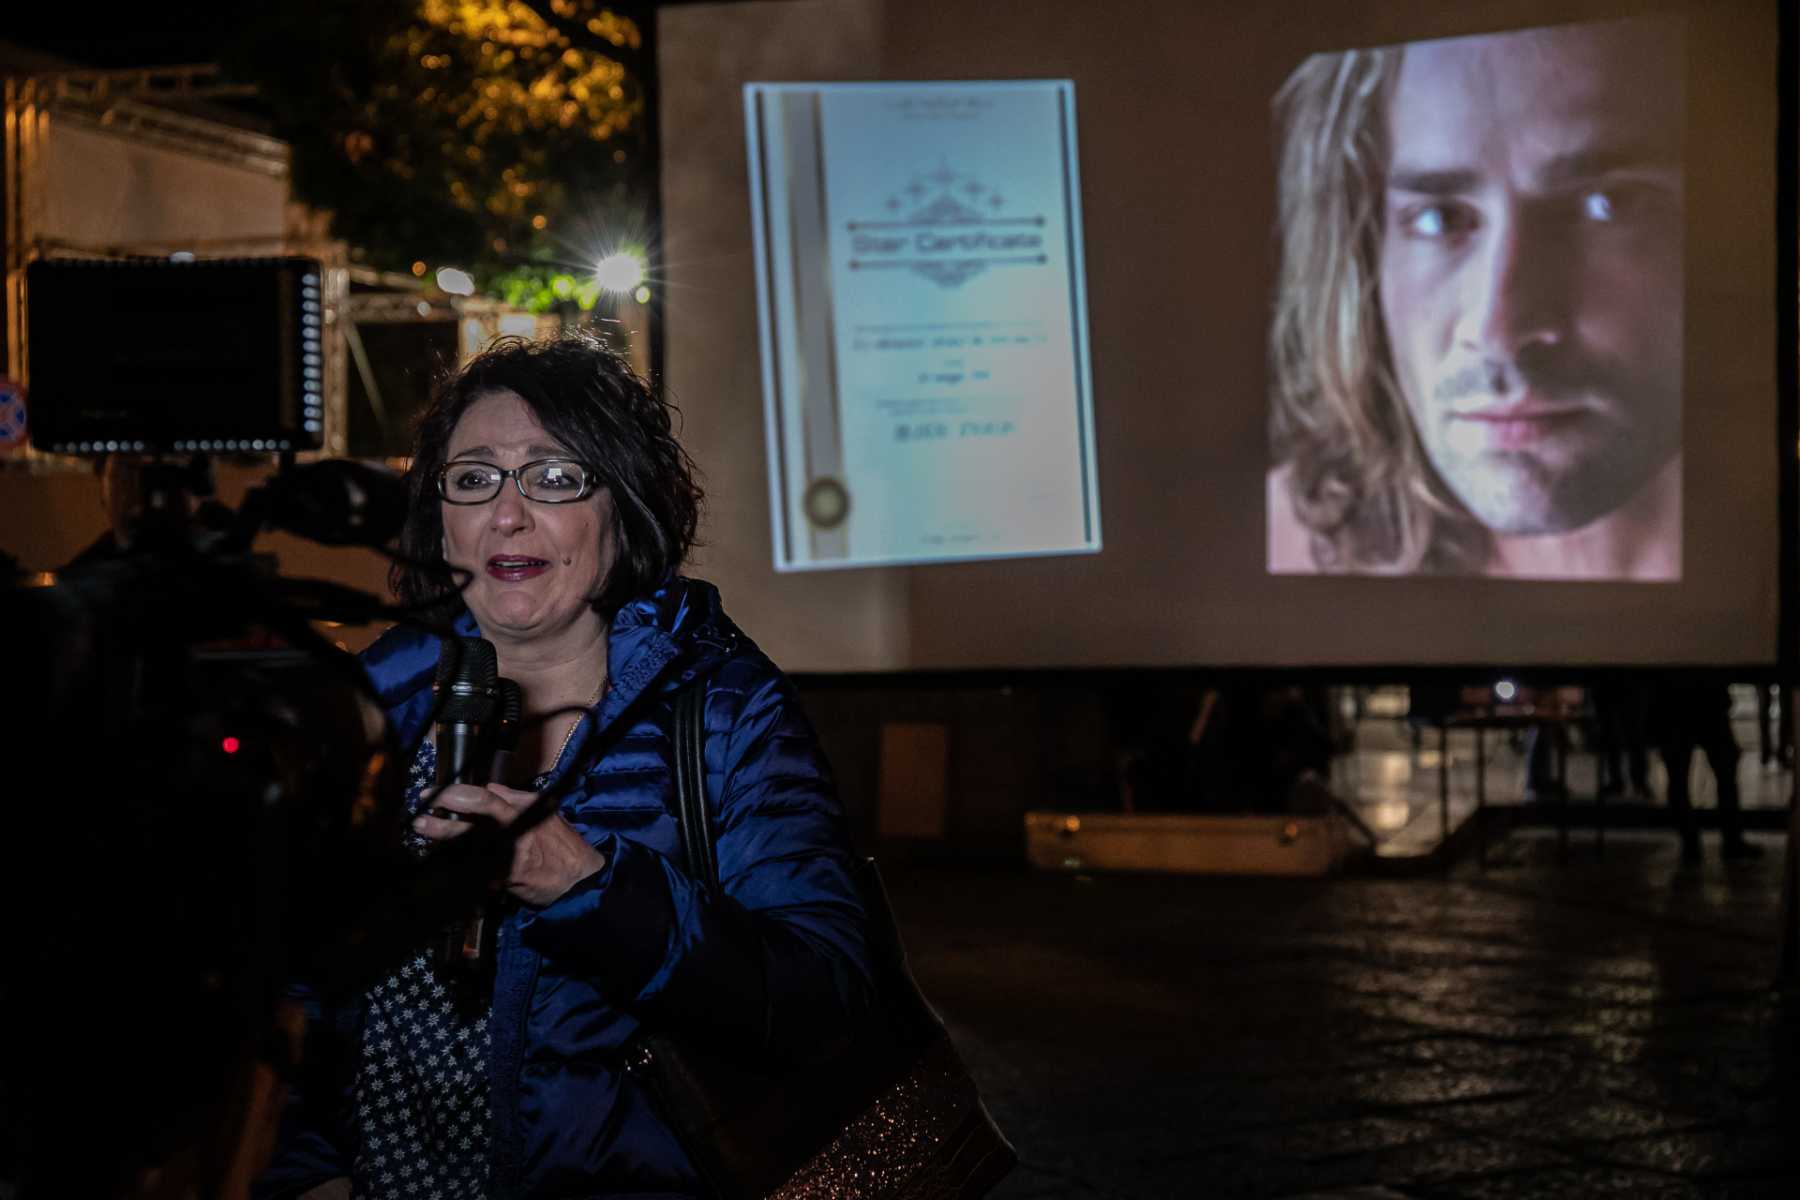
{"points": [[124, 35]]}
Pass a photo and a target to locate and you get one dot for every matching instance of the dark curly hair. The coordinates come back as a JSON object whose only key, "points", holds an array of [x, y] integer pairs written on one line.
{"points": [[587, 397]]}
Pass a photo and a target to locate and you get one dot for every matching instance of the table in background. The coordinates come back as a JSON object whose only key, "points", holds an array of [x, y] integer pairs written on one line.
{"points": [[1550, 720]]}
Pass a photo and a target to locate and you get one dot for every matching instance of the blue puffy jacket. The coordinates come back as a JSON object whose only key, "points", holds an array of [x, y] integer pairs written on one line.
{"points": [[638, 940]]}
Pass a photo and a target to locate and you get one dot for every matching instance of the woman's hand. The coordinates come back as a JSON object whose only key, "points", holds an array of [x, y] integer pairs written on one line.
{"points": [[547, 860]]}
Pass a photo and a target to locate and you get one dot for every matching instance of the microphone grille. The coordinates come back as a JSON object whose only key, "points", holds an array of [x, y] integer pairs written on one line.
{"points": [[467, 671]]}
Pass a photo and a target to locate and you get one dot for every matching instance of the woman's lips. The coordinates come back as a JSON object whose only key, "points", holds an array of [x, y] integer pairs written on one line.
{"points": [[515, 568]]}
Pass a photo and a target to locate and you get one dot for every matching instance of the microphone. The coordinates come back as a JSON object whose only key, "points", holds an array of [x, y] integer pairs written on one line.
{"points": [[512, 708], [477, 728], [506, 722], [468, 694]]}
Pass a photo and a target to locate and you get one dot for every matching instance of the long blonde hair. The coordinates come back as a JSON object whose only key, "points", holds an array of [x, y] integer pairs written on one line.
{"points": [[1358, 479]]}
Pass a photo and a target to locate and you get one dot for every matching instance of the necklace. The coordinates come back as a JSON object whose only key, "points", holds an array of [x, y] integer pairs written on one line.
{"points": [[592, 700]]}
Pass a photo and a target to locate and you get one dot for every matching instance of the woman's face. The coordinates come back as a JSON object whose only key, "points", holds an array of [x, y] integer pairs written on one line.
{"points": [[536, 567]]}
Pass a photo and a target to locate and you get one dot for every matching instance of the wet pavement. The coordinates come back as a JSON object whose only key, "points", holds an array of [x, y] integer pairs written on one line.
{"points": [[1543, 1028]]}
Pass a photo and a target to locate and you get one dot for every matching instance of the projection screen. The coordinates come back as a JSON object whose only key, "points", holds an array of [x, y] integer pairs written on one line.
{"points": [[1421, 334]]}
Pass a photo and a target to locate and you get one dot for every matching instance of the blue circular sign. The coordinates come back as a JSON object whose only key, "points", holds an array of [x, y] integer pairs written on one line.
{"points": [[12, 413]]}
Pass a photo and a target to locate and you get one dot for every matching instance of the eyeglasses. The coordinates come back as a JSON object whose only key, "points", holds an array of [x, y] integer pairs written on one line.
{"points": [[544, 480]]}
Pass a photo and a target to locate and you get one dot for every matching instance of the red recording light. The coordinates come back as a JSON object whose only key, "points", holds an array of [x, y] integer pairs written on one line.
{"points": [[230, 745]]}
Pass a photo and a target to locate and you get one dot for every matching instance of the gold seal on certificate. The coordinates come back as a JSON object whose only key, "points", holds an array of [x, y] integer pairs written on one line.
{"points": [[827, 503]]}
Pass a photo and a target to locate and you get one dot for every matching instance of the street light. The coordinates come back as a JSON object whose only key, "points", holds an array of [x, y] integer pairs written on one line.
{"points": [[620, 271], [455, 282]]}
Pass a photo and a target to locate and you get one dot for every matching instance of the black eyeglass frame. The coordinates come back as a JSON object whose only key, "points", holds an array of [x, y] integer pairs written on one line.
{"points": [[517, 475]]}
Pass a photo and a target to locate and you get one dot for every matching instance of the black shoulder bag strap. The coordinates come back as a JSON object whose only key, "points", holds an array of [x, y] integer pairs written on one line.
{"points": [[802, 1131], [691, 811]]}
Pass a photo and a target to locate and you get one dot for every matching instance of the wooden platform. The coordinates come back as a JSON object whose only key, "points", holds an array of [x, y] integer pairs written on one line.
{"points": [[1186, 843]]}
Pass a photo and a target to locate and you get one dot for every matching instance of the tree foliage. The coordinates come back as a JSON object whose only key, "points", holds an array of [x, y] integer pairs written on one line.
{"points": [[494, 135]]}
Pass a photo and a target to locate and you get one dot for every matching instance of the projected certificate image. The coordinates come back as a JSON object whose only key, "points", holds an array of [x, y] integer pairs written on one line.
{"points": [[923, 322], [1476, 347]]}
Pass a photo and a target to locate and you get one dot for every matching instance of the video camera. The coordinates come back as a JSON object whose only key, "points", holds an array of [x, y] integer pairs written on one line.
{"points": [[206, 802]]}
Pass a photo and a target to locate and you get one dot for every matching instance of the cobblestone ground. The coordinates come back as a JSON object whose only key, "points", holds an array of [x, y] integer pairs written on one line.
{"points": [[1543, 1028]]}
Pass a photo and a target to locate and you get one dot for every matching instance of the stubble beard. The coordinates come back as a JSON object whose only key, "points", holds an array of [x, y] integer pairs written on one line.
{"points": [[1530, 493], [1517, 494]]}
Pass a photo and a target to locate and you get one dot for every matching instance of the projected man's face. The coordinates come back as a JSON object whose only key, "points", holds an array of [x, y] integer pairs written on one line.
{"points": [[1530, 267]]}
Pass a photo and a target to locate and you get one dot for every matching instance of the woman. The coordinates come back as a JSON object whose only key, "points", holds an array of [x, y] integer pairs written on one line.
{"points": [[548, 472]]}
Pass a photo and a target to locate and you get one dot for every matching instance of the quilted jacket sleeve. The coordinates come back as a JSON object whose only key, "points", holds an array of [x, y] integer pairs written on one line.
{"points": [[780, 961]]}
